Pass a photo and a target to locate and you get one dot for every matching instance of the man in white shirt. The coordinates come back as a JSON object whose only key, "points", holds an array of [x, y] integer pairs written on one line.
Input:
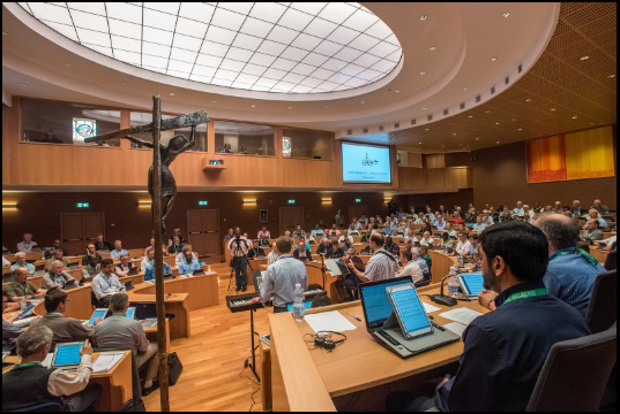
{"points": [[118, 250], [439, 222], [463, 246], [147, 260], [273, 255], [239, 248], [480, 224], [27, 244], [416, 256], [427, 240], [410, 267], [263, 233], [106, 283], [518, 210]]}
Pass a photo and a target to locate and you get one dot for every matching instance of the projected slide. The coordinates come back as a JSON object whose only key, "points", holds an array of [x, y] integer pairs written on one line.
{"points": [[365, 164]]}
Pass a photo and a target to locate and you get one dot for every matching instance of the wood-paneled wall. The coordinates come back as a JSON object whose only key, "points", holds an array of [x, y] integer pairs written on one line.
{"points": [[434, 179], [39, 212]]}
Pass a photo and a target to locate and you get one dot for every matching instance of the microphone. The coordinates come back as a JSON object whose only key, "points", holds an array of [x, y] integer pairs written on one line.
{"points": [[441, 298]]}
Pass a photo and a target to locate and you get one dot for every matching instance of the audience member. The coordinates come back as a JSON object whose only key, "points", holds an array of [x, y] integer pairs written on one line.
{"points": [[325, 249], [124, 267], [593, 232], [10, 332], [463, 245], [55, 246], [118, 250], [103, 245], [56, 256], [176, 233], [576, 208], [27, 244], [106, 283], [349, 282], [263, 233], [339, 220], [602, 208], [416, 256], [29, 383], [175, 247], [299, 232], [273, 255], [90, 250], [20, 261], [382, 265], [91, 270], [57, 277], [302, 252], [410, 267], [20, 288], [189, 265]]}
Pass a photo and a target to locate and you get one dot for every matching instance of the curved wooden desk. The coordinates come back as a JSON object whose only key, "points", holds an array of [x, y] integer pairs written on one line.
{"points": [[78, 299], [175, 304]]}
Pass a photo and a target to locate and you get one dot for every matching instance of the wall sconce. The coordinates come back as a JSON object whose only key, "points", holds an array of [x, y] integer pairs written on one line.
{"points": [[145, 203], [326, 201], [9, 206], [249, 201]]}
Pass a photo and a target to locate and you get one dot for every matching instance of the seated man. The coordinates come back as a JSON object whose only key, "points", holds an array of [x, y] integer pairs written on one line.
{"points": [[410, 267], [148, 259], [57, 277], [439, 222], [56, 256], [125, 265], [120, 332], [426, 257], [426, 239], [227, 149], [175, 247], [316, 232], [281, 277], [90, 250], [181, 256], [152, 247], [65, 329], [557, 208], [504, 350], [91, 270], [337, 250], [20, 288], [118, 250], [273, 255], [27, 244], [106, 283], [55, 246], [149, 270], [20, 261], [29, 383], [480, 225], [176, 233], [462, 247], [381, 266], [189, 265], [10, 332], [101, 244], [391, 247], [349, 282], [602, 208], [593, 230], [594, 214], [299, 232], [576, 208], [325, 248], [263, 233], [302, 252], [416, 256], [255, 251], [474, 250]]}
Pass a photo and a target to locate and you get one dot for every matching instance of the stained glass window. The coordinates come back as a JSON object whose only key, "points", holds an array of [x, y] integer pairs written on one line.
{"points": [[83, 128]]}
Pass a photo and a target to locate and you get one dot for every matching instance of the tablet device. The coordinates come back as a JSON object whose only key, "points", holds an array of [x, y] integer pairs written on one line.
{"points": [[4, 355], [26, 312], [98, 313], [471, 283], [67, 355], [409, 311], [131, 313], [307, 305]]}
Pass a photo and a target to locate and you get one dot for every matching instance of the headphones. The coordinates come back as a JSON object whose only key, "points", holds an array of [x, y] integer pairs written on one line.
{"points": [[323, 340]]}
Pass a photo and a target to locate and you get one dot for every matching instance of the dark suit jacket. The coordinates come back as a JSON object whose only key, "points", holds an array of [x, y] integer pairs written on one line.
{"points": [[328, 252], [308, 255]]}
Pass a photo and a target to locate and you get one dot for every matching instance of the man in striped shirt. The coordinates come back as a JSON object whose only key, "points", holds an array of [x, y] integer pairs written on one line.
{"points": [[382, 265]]}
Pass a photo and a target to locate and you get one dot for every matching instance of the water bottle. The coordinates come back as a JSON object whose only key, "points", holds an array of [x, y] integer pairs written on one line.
{"points": [[298, 304], [453, 285], [461, 261], [23, 303]]}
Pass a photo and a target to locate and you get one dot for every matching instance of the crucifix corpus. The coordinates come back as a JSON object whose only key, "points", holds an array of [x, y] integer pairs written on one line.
{"points": [[163, 191]]}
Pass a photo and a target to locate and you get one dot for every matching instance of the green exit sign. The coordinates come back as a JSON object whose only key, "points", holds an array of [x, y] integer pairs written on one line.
{"points": [[203, 203], [83, 205], [291, 201], [358, 200]]}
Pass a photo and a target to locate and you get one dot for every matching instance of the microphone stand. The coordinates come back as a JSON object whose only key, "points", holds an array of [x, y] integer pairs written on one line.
{"points": [[441, 298], [323, 269]]}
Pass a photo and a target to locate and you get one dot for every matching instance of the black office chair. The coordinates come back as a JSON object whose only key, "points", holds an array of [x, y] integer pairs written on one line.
{"points": [[601, 312], [611, 261], [575, 374]]}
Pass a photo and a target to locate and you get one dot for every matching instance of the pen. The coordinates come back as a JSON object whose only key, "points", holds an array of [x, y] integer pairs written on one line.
{"points": [[354, 317]]}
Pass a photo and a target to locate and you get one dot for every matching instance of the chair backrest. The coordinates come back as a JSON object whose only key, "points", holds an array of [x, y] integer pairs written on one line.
{"points": [[601, 312], [575, 374], [611, 260]]}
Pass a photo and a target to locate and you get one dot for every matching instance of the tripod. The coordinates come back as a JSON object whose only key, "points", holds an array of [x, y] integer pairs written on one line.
{"points": [[323, 269], [235, 261]]}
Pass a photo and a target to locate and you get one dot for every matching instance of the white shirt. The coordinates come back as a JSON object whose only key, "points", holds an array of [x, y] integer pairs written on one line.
{"points": [[23, 247], [272, 257], [462, 248], [426, 242], [243, 246], [180, 257], [412, 269]]}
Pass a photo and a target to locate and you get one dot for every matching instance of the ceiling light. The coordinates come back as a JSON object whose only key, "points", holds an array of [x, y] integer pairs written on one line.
{"points": [[528, 100], [422, 73], [4, 33], [253, 106], [396, 91], [432, 48], [505, 15], [423, 17], [23, 85], [514, 120], [520, 129], [494, 58], [613, 75], [553, 109], [290, 107], [425, 108], [363, 102], [497, 142], [454, 134], [171, 94], [470, 116], [487, 112], [585, 57], [426, 129], [574, 117], [213, 102], [497, 123], [477, 139]]}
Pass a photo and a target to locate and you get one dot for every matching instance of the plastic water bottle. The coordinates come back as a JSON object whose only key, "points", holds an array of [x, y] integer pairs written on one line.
{"points": [[461, 261], [453, 285], [298, 304], [23, 303]]}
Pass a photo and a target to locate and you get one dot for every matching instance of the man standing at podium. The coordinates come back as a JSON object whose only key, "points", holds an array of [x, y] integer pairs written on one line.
{"points": [[238, 246]]}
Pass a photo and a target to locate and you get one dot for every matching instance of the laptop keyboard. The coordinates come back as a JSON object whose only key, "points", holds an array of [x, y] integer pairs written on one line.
{"points": [[389, 338]]}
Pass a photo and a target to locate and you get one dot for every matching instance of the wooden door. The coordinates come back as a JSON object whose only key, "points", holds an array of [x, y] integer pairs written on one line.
{"points": [[194, 229], [94, 224], [210, 232], [72, 232], [290, 217], [356, 210]]}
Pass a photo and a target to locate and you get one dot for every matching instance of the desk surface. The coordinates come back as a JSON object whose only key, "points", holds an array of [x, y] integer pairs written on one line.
{"points": [[360, 363]]}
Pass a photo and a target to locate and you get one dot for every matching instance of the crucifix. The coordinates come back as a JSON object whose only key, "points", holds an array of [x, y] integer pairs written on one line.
{"points": [[163, 190]]}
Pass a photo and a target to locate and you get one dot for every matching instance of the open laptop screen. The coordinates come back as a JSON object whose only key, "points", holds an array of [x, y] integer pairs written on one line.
{"points": [[375, 300]]}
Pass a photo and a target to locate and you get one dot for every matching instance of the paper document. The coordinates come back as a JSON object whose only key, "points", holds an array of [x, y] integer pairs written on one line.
{"points": [[430, 308], [105, 362], [329, 321], [457, 328], [462, 315]]}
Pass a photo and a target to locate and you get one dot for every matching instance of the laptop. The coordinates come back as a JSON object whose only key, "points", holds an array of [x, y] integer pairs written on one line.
{"points": [[471, 283], [67, 355], [74, 265], [133, 271], [199, 272], [383, 325]]}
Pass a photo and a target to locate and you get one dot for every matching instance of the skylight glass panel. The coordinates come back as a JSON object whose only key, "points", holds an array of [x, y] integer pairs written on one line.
{"points": [[307, 47]]}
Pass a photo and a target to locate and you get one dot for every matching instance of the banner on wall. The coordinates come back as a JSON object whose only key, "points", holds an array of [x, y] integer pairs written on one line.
{"points": [[573, 156]]}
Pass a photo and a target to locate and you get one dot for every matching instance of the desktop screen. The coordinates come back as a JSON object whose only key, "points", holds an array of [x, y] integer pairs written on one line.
{"points": [[366, 164]]}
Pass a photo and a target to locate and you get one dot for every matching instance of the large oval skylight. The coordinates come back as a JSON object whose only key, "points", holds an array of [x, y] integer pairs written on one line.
{"points": [[269, 47]]}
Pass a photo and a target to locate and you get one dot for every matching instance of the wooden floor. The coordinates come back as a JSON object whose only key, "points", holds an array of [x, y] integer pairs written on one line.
{"points": [[214, 378]]}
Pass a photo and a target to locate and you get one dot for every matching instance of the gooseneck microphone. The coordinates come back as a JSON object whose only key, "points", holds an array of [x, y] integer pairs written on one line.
{"points": [[441, 298]]}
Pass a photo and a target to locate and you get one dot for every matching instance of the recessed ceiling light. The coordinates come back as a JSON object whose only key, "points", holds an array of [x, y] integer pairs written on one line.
{"points": [[487, 112], [553, 109], [396, 91], [422, 73], [213, 102], [528, 100], [4, 33], [420, 142], [477, 138], [432, 48], [454, 134], [171, 94], [253, 106], [574, 117], [497, 142], [520, 129], [497, 123], [470, 116], [585, 57], [423, 17], [505, 15], [426, 129], [464, 89], [494, 58], [613, 75], [425, 108], [23, 85], [290, 107]]}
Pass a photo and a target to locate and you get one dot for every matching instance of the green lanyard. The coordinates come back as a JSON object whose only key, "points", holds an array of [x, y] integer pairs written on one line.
{"points": [[589, 258], [526, 294], [26, 364]]}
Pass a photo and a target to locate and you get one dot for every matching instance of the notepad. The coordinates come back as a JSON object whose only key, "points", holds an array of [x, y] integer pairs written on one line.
{"points": [[105, 362], [329, 321], [462, 315], [456, 327], [430, 308]]}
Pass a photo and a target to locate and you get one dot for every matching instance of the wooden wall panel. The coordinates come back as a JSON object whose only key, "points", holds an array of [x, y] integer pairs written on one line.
{"points": [[435, 161]]}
